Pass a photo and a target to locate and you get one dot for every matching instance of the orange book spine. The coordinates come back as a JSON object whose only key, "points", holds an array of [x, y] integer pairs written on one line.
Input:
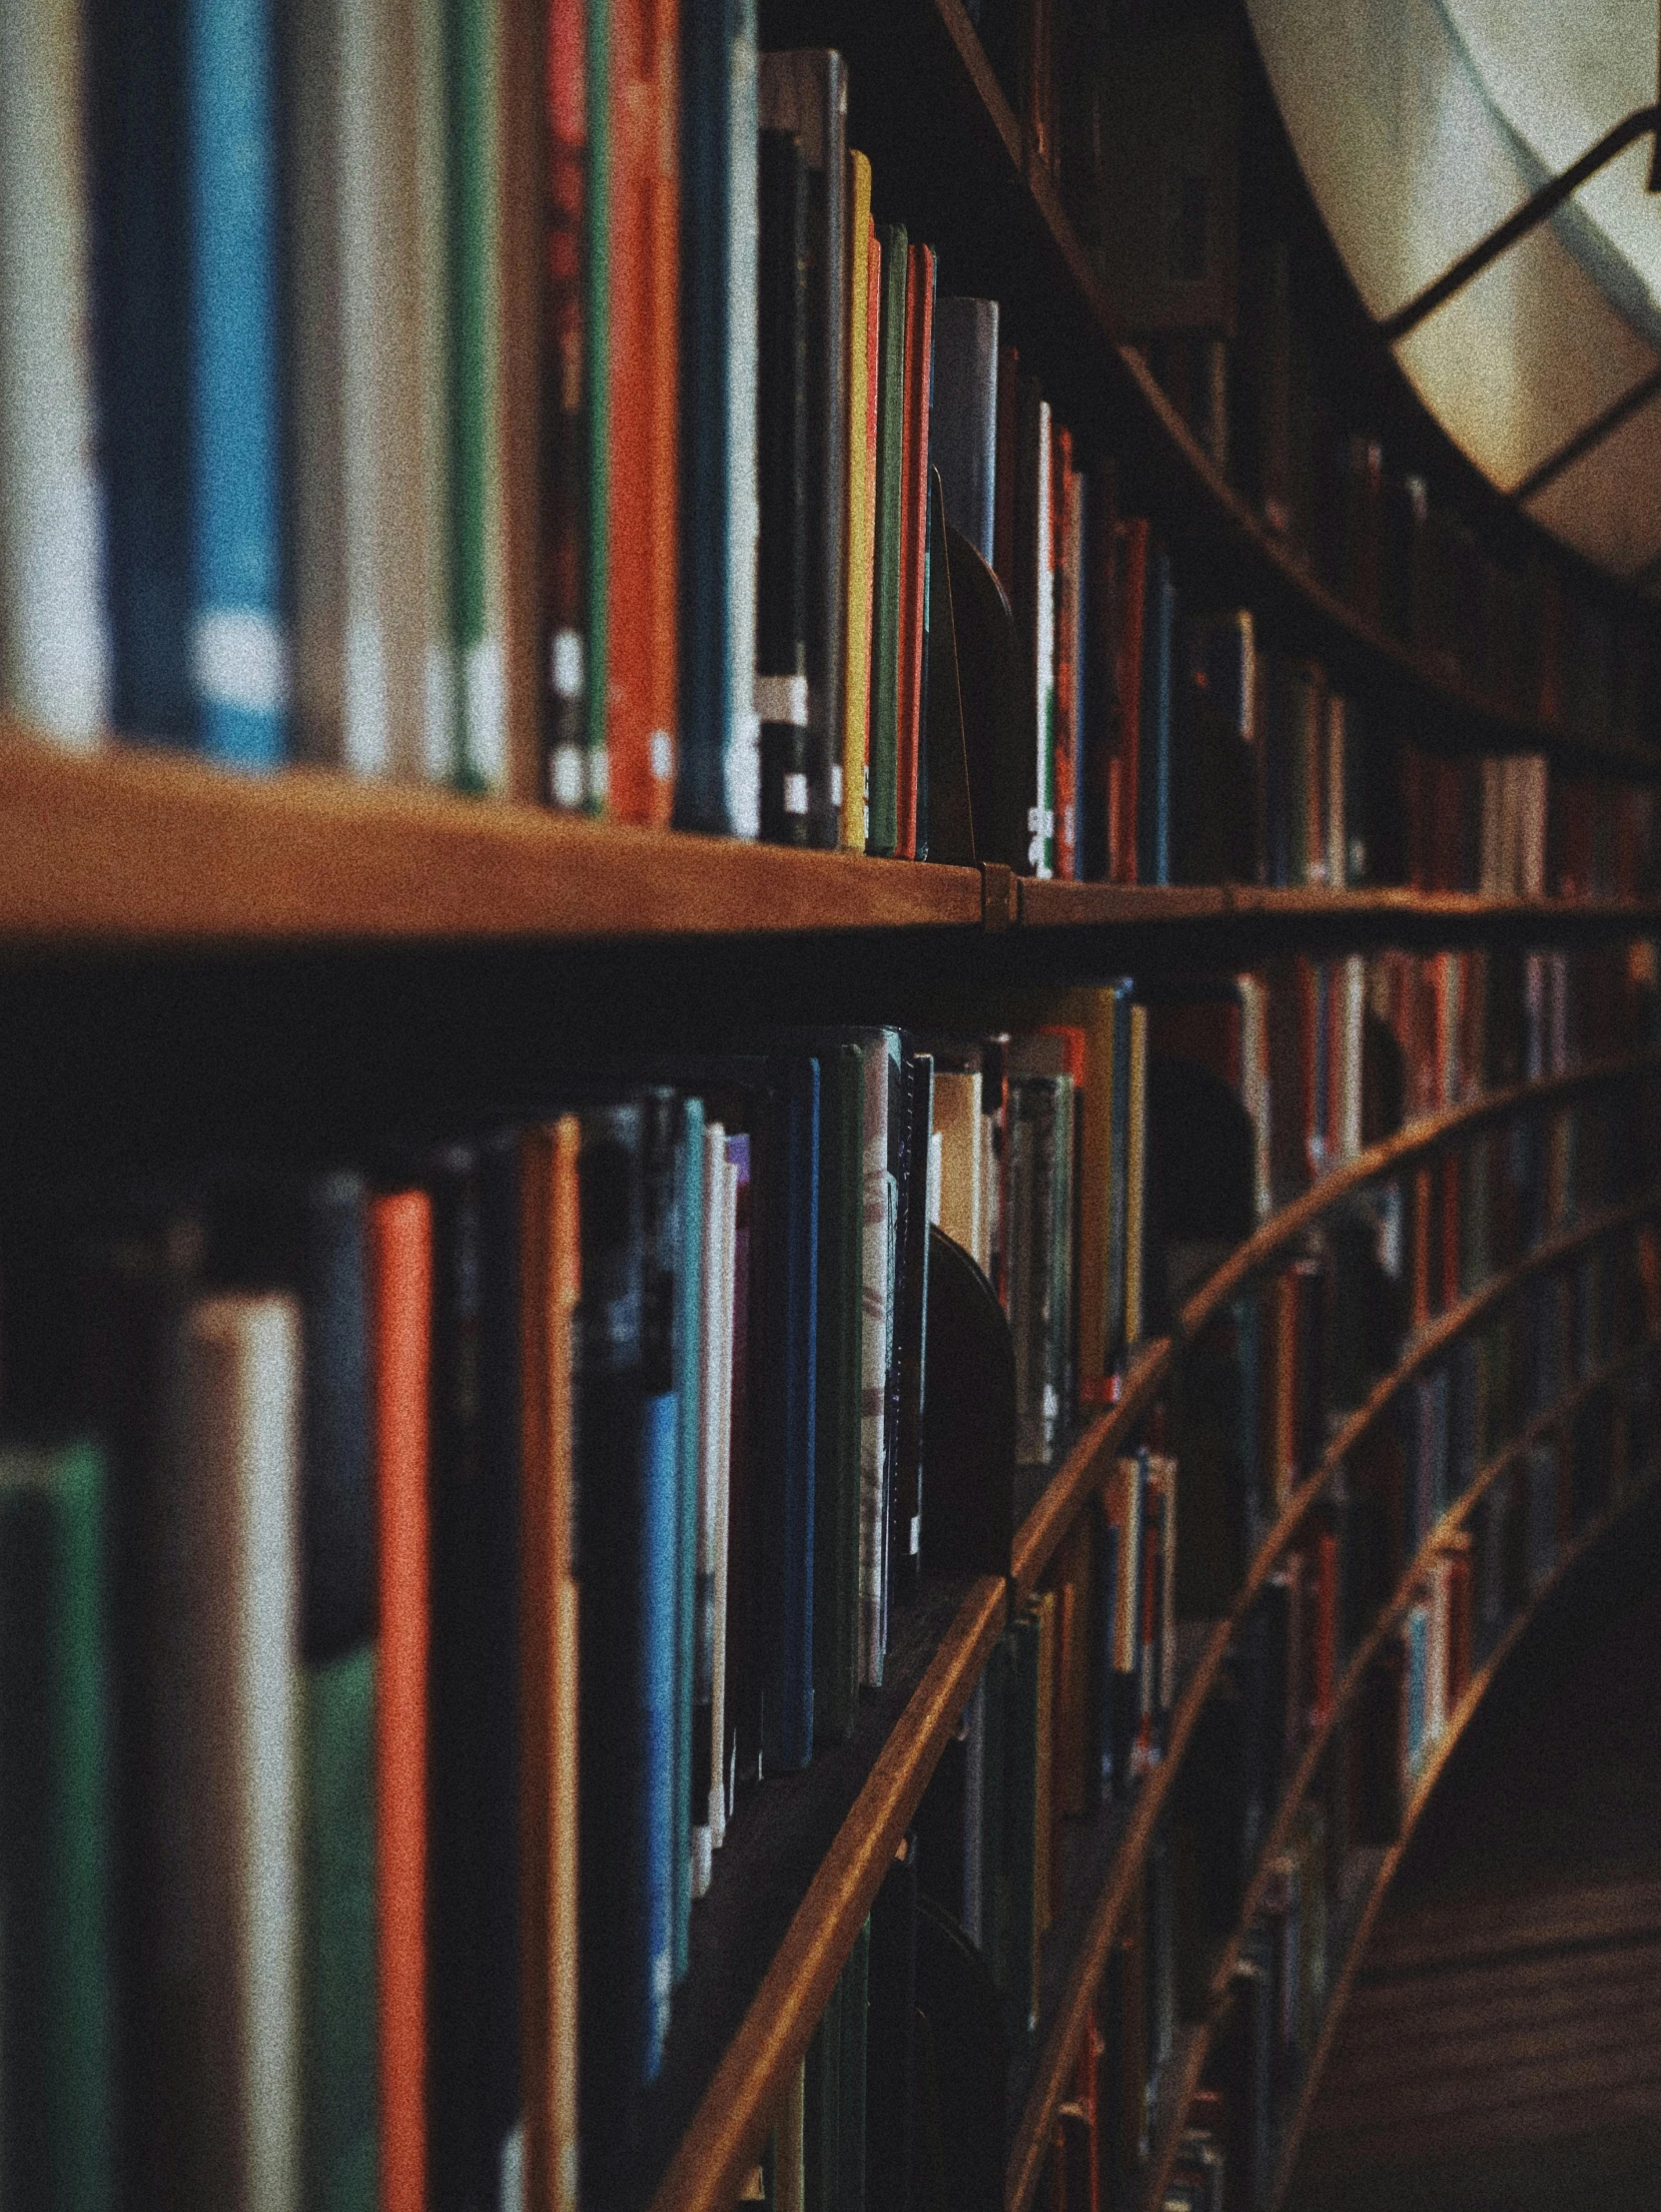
{"points": [[551, 1273], [401, 1292], [641, 634], [914, 519]]}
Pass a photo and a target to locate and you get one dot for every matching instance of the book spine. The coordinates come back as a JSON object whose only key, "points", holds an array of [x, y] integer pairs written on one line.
{"points": [[706, 140], [868, 585], [963, 425], [715, 1385], [886, 556], [652, 1755], [56, 1857], [856, 673], [479, 541], [431, 214], [401, 1309], [597, 350], [727, 1688], [743, 767], [788, 1708], [914, 471], [689, 1297], [144, 364], [782, 692], [239, 647], [567, 522], [54, 652], [337, 1645], [877, 1234]]}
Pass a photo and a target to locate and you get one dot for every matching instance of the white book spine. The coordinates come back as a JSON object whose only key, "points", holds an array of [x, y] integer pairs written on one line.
{"points": [[54, 648]]}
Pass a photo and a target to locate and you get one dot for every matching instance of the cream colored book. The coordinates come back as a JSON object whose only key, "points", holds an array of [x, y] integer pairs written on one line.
{"points": [[956, 1122]]}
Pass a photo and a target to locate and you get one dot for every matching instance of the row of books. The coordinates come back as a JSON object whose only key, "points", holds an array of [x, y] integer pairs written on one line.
{"points": [[1223, 2146], [613, 1431], [1145, 117]]}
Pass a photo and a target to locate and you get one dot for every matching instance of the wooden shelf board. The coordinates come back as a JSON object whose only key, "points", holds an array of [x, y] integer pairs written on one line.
{"points": [[1050, 905], [724, 2075], [134, 847]]}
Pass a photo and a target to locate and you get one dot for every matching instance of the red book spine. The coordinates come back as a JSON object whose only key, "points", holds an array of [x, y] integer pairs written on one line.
{"points": [[641, 650], [400, 1293], [914, 522], [564, 535]]}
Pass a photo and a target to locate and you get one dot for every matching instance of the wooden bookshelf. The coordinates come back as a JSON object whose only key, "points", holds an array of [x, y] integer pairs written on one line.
{"points": [[1353, 1947], [696, 2150], [1063, 2027], [996, 186]]}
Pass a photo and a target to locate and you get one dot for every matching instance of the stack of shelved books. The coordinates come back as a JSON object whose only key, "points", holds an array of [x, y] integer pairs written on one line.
{"points": [[786, 546], [414, 1566]]}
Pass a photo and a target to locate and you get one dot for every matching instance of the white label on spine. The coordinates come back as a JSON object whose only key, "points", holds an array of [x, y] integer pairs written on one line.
{"points": [[367, 738], [836, 783], [566, 776], [795, 794], [239, 658], [662, 756], [782, 699], [565, 664], [486, 712]]}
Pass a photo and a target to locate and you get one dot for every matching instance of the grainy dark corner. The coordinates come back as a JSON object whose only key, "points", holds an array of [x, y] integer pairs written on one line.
{"points": [[830, 1106]]}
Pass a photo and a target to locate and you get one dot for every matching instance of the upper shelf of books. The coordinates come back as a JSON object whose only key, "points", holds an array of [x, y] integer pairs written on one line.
{"points": [[845, 519]]}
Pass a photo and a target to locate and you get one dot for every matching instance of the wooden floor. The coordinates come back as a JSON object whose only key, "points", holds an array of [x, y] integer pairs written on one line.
{"points": [[1502, 2047]]}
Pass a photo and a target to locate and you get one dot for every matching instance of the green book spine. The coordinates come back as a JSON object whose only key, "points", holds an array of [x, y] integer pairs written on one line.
{"points": [[689, 1379], [55, 2090], [596, 331], [340, 2086], [476, 386], [836, 1470], [1015, 1980], [854, 1985], [885, 610]]}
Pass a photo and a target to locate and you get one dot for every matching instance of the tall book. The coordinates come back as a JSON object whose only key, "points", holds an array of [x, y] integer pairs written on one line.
{"points": [[400, 1328], [338, 1696], [360, 464], [1124, 765], [914, 528], [806, 93], [692, 1197], [231, 1712], [238, 645], [478, 542], [570, 542], [643, 666], [135, 55], [787, 1522], [962, 425], [58, 2100], [885, 560], [782, 442], [650, 1755], [1031, 596], [550, 1259], [856, 669], [54, 656], [707, 1797]]}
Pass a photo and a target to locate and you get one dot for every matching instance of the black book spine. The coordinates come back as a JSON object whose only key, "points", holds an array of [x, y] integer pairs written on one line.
{"points": [[906, 1537], [457, 1602], [782, 692], [901, 1147], [890, 2048]]}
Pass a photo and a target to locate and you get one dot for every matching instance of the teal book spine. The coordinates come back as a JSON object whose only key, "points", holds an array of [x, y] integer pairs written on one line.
{"points": [[689, 1393], [885, 606], [340, 2163]]}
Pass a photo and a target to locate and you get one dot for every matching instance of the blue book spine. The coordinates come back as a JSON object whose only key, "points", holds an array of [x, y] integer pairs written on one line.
{"points": [[661, 1454], [706, 218], [142, 363], [651, 1844], [790, 1732], [239, 648], [689, 1301]]}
